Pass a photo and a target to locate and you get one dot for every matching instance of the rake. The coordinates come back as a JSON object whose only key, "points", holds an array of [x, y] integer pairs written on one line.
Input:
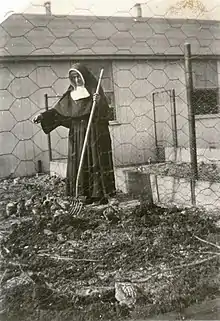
{"points": [[78, 204]]}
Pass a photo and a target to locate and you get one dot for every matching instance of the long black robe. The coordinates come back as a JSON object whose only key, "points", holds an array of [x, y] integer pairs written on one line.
{"points": [[97, 175]]}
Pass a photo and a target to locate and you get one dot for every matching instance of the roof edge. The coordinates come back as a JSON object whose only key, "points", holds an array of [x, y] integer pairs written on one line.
{"points": [[115, 18], [50, 58]]}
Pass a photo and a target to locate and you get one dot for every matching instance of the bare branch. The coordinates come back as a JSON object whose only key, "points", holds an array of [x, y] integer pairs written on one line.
{"points": [[174, 268], [3, 275], [207, 242], [66, 258]]}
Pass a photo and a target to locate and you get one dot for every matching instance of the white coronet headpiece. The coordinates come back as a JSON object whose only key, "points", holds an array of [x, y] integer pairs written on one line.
{"points": [[79, 92]]}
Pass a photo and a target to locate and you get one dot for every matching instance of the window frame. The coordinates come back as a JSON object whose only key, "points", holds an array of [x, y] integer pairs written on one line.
{"points": [[205, 91], [98, 64], [111, 103]]}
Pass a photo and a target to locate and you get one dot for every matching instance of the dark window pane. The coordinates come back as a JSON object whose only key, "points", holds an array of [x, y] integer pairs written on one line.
{"points": [[112, 115], [110, 99], [205, 101]]}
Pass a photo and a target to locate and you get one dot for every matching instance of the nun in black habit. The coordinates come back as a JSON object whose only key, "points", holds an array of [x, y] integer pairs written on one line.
{"points": [[72, 111]]}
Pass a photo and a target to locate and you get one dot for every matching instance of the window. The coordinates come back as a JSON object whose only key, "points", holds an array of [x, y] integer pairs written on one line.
{"points": [[205, 98], [111, 102], [107, 81]]}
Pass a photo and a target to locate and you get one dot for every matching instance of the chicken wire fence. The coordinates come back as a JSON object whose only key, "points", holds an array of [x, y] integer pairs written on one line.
{"points": [[121, 260], [161, 123]]}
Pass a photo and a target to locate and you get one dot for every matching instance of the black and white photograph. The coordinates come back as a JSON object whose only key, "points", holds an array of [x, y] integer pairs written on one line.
{"points": [[109, 160]]}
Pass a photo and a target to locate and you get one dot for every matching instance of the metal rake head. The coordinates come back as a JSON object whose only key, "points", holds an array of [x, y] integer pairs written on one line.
{"points": [[76, 207]]}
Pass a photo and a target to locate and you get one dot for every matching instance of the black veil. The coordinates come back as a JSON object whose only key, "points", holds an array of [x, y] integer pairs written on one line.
{"points": [[83, 107]]}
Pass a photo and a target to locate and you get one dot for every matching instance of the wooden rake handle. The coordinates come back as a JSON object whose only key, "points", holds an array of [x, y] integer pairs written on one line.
{"points": [[87, 134]]}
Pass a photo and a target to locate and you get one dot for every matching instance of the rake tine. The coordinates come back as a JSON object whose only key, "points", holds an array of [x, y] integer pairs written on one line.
{"points": [[73, 208], [80, 207], [76, 207], [72, 204]]}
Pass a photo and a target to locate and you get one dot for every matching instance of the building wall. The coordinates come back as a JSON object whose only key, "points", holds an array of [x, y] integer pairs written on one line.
{"points": [[134, 84], [22, 89]]}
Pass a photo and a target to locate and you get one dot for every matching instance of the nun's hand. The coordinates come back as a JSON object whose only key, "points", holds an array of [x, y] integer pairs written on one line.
{"points": [[37, 119], [96, 98]]}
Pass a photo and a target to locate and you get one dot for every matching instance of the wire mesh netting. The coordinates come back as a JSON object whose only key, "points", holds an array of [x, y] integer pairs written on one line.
{"points": [[148, 248], [147, 98]]}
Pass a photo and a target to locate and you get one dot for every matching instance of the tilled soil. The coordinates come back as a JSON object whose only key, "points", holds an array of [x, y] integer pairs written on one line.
{"points": [[108, 263]]}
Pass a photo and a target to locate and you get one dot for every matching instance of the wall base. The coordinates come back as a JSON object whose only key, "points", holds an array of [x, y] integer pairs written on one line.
{"points": [[122, 177], [182, 155], [58, 168], [169, 190]]}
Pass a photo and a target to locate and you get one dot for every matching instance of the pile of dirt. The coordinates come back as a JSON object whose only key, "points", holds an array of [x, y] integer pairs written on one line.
{"points": [[105, 264]]}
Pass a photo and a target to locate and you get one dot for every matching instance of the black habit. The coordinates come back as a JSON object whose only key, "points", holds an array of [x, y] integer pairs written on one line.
{"points": [[97, 176]]}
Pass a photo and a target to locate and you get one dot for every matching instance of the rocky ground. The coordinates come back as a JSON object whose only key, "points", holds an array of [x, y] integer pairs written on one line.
{"points": [[108, 263]]}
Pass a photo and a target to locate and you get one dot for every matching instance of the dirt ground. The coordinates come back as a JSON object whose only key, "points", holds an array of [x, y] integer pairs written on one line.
{"points": [[112, 262]]}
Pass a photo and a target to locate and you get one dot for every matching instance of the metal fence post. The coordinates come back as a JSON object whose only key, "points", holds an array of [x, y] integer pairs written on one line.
{"points": [[48, 136], [173, 118], [155, 128], [191, 115]]}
